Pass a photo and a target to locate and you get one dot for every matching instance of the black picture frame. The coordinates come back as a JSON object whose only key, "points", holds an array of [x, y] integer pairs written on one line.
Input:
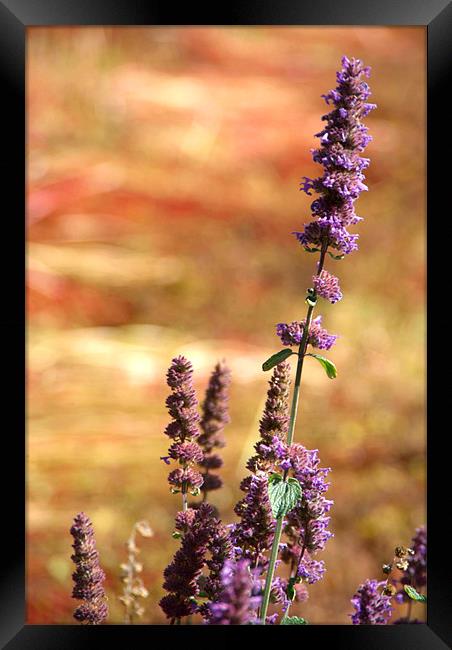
{"points": [[15, 17]]}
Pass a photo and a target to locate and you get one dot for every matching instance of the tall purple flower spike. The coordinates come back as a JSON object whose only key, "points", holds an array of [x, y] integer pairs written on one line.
{"points": [[214, 419], [88, 577], [341, 142]]}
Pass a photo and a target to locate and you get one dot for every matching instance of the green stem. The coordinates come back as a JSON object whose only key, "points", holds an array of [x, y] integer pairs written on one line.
{"points": [[271, 570], [300, 557], [290, 434]]}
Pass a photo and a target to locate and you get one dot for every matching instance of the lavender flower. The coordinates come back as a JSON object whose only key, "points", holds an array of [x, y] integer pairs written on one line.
{"points": [[274, 422], [221, 550], [181, 576], [372, 607], [292, 333], [278, 593], [306, 526], [253, 534], [341, 141], [237, 603], [183, 430], [88, 576], [327, 286], [255, 531], [215, 418]]}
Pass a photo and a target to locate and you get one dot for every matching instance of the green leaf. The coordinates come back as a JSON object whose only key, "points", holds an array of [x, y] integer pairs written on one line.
{"points": [[294, 620], [328, 365], [290, 591], [414, 595], [336, 257], [312, 250], [283, 495], [277, 358]]}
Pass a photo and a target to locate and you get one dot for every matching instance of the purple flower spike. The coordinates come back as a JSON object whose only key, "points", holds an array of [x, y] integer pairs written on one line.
{"points": [[88, 577], [306, 526], [274, 422], [214, 419], [255, 530], [254, 533], [183, 429], [237, 604], [341, 141], [372, 607], [181, 576]]}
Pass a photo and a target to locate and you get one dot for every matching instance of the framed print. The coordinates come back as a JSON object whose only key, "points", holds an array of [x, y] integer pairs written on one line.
{"points": [[229, 336]]}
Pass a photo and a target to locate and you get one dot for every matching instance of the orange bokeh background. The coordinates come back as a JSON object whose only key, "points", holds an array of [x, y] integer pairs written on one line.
{"points": [[163, 173]]}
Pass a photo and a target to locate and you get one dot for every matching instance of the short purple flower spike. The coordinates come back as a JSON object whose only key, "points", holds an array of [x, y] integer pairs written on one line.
{"points": [[183, 429], [88, 577], [371, 606]]}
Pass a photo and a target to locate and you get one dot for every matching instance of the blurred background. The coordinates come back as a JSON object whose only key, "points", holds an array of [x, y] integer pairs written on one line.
{"points": [[163, 173]]}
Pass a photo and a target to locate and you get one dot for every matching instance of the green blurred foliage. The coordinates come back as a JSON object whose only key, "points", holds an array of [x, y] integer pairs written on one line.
{"points": [[163, 171]]}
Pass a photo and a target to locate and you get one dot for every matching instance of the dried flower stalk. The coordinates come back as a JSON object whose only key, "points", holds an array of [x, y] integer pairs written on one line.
{"points": [[134, 588]]}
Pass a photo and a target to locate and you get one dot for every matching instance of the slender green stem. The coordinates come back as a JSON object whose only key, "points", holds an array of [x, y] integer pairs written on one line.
{"points": [[271, 570], [290, 435], [300, 557]]}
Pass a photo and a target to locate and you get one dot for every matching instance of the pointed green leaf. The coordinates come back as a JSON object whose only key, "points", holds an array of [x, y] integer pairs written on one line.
{"points": [[328, 365], [294, 620], [312, 250], [277, 358], [283, 495], [414, 595], [336, 257]]}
